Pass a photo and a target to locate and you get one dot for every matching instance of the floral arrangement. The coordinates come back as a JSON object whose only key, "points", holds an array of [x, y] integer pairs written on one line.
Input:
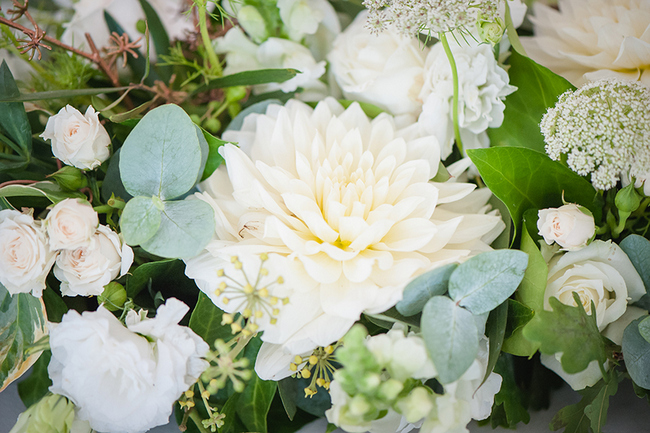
{"points": [[390, 215]]}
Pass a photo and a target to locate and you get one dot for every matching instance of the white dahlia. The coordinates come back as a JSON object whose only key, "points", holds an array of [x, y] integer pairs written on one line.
{"points": [[587, 40], [346, 203]]}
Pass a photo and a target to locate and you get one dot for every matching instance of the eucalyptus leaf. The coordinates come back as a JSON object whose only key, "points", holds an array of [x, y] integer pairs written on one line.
{"points": [[422, 288], [164, 155], [206, 321], [13, 118], [260, 107], [185, 229], [636, 352], [637, 249], [526, 179], [450, 336], [485, 281], [141, 219], [644, 329]]}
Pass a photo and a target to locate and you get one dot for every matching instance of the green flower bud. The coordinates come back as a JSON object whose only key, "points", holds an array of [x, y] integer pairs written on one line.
{"points": [[195, 118], [252, 22], [70, 178], [491, 31], [236, 93], [212, 125], [51, 414], [416, 405], [359, 406], [390, 389], [627, 199], [113, 297]]}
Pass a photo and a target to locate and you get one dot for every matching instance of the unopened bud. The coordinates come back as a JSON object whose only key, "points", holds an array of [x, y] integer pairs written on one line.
{"points": [[113, 297], [70, 178]]}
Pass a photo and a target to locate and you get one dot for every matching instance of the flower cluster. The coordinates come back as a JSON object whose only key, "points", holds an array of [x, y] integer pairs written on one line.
{"points": [[411, 17], [86, 255], [603, 128]]}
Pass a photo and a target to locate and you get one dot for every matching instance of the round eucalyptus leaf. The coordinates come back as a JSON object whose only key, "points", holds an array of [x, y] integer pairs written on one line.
{"points": [[450, 336], [636, 352], [164, 155], [422, 288], [186, 228], [140, 220], [484, 282]]}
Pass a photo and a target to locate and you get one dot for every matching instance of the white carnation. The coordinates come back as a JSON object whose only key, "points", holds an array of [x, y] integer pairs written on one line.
{"points": [[71, 224], [118, 379], [347, 201], [86, 270]]}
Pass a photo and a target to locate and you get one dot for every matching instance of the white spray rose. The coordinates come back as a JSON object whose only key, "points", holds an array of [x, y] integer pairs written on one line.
{"points": [[600, 272], [25, 258], [118, 379], [71, 224], [482, 86], [78, 140], [384, 69], [86, 270], [569, 226]]}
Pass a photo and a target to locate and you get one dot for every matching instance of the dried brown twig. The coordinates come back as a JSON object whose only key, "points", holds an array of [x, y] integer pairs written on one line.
{"points": [[121, 46]]}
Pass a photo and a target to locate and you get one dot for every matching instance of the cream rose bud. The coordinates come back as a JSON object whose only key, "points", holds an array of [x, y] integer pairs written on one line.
{"points": [[125, 379], [25, 259], [86, 270], [600, 273], [71, 224], [569, 225], [78, 140]]}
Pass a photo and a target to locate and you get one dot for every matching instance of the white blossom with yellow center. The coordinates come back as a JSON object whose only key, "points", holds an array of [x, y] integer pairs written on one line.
{"points": [[346, 202]]}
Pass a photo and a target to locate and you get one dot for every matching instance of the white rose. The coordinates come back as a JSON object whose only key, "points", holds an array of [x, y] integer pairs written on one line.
{"points": [[600, 272], [25, 258], [568, 225], [71, 224], [384, 69], [78, 140], [86, 270], [118, 379], [482, 87]]}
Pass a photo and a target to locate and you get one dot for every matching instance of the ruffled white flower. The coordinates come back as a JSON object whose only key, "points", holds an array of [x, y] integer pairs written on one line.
{"points": [[118, 379], [347, 201], [86, 270], [25, 256], [385, 69], [244, 55], [482, 86], [589, 40], [71, 224]]}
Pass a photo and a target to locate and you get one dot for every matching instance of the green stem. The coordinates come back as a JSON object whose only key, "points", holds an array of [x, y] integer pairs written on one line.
{"points": [[194, 416], [454, 73], [205, 37], [241, 343]]}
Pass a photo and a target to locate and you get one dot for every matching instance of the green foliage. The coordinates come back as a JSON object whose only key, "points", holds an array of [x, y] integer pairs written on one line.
{"points": [[141, 219], [495, 330], [35, 387], [137, 64], [422, 288], [214, 158], [485, 281], [636, 352], [49, 190], [15, 131], [206, 321], [159, 36], [54, 305], [510, 402], [637, 249], [569, 330], [537, 89], [249, 78], [526, 179], [450, 336], [644, 329]]}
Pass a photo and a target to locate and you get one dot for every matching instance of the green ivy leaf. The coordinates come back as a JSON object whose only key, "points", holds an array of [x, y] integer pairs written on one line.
{"points": [[450, 336], [537, 90], [636, 352], [254, 403], [509, 401], [140, 219], [525, 179], [168, 271], [485, 281], [206, 321], [424, 287], [13, 118], [214, 158], [569, 330], [36, 385]]}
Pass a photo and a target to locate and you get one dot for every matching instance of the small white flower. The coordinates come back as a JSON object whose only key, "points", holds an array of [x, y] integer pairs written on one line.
{"points": [[118, 379], [71, 224], [25, 258], [600, 273], [569, 226], [78, 140], [86, 270]]}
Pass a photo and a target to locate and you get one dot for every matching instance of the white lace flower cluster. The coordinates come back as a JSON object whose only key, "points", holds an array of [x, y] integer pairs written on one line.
{"points": [[411, 17], [603, 128], [86, 255]]}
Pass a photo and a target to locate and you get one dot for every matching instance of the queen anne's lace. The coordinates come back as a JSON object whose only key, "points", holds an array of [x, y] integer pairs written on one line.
{"points": [[604, 130]]}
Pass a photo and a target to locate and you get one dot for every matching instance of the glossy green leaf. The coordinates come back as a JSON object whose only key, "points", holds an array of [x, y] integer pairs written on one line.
{"points": [[518, 316], [569, 330], [35, 387], [22, 323], [250, 78], [450, 336], [495, 330], [206, 321], [214, 157], [424, 287], [254, 403], [596, 411], [49, 190], [55, 306], [60, 94], [185, 229], [140, 219], [159, 36], [485, 281], [162, 271], [164, 155], [288, 396], [112, 182], [525, 179], [537, 90], [510, 402], [637, 249], [13, 118], [636, 352]]}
